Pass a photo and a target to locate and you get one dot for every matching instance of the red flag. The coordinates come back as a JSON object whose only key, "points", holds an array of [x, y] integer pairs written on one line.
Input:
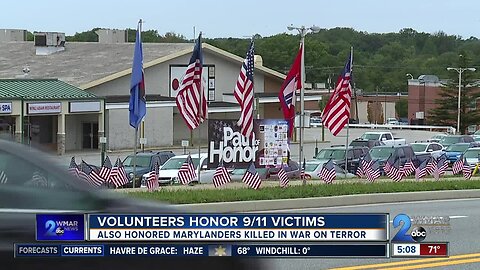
{"points": [[337, 111], [287, 98]]}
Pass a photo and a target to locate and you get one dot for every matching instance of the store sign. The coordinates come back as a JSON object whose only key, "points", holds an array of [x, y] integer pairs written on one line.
{"points": [[5, 107], [268, 146], [87, 106], [44, 108]]}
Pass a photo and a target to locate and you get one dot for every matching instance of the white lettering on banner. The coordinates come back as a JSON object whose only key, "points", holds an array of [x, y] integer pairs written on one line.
{"points": [[241, 150], [5, 107], [34, 108]]}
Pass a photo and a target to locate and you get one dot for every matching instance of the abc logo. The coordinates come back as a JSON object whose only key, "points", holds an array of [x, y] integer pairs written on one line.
{"points": [[59, 231], [418, 234]]}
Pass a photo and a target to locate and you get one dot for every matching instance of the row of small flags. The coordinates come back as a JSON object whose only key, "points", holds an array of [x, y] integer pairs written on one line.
{"points": [[106, 176]]}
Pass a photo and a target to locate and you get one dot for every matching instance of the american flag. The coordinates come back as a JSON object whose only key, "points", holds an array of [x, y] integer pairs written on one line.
{"points": [[106, 170], [221, 176], [337, 111], [395, 173], [408, 168], [39, 179], [283, 177], [187, 172], [467, 170], [458, 165], [373, 171], [191, 100], [388, 163], [431, 165], [152, 179], [3, 177], [251, 177], [118, 175], [244, 93], [328, 173], [363, 165], [73, 168], [93, 178], [441, 166], [421, 170]]}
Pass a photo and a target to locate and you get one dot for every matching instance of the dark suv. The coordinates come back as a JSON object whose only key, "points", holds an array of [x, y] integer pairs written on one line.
{"points": [[402, 152], [337, 153], [451, 139], [144, 164]]}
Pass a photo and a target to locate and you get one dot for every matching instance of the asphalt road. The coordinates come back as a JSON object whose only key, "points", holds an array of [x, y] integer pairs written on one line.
{"points": [[464, 236]]}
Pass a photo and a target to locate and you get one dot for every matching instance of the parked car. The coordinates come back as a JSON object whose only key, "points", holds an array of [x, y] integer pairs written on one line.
{"points": [[145, 163], [313, 167], [169, 171], [337, 154], [437, 138], [238, 173], [454, 151], [402, 152], [59, 192], [292, 170], [427, 148], [451, 139], [392, 121], [476, 135], [384, 136], [472, 155], [365, 143]]}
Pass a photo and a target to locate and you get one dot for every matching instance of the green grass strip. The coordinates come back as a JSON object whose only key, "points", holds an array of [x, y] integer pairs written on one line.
{"points": [[186, 196]]}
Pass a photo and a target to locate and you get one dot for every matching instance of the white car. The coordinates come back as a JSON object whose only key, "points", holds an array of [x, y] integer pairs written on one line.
{"points": [[313, 167], [423, 148], [169, 170]]}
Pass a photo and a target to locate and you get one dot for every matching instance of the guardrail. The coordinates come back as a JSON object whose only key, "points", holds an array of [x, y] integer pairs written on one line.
{"points": [[447, 129]]}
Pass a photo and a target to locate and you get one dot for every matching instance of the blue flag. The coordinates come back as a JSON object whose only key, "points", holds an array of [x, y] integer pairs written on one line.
{"points": [[138, 103]]}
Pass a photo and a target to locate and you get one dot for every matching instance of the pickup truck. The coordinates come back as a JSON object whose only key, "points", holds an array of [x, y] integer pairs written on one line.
{"points": [[383, 136]]}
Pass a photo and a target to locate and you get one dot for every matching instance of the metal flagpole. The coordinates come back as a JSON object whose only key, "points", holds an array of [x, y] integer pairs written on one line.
{"points": [[136, 128], [200, 114], [348, 120]]}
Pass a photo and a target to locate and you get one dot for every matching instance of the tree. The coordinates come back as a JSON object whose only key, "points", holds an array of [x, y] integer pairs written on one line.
{"points": [[401, 108], [447, 110]]}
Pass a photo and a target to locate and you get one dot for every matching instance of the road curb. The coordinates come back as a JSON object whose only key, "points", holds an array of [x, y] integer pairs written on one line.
{"points": [[265, 205]]}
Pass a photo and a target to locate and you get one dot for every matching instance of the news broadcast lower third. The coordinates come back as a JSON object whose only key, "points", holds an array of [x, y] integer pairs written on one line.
{"points": [[369, 235]]}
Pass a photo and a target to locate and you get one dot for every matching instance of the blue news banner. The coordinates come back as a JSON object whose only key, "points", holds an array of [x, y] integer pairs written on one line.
{"points": [[278, 235]]}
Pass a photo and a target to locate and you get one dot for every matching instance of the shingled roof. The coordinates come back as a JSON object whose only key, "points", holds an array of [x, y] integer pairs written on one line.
{"points": [[41, 89]]}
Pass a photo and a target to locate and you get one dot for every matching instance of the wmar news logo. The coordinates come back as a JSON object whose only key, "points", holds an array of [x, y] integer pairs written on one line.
{"points": [[62, 227], [403, 221]]}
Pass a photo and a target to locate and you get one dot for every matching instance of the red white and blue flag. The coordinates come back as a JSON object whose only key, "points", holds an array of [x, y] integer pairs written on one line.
{"points": [[152, 179], [221, 176], [337, 111], [73, 168], [191, 100], [244, 93], [138, 103], [328, 173], [292, 83], [431, 165], [251, 177], [395, 172], [421, 170], [458, 165], [106, 170], [372, 171], [441, 167], [283, 177], [467, 169], [118, 175], [187, 173], [408, 168]]}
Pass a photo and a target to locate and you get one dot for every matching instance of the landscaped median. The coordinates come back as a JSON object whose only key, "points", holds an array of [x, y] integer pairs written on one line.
{"points": [[199, 195]]}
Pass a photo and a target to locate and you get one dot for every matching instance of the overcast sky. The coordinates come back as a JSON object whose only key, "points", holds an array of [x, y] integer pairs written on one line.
{"points": [[241, 18]]}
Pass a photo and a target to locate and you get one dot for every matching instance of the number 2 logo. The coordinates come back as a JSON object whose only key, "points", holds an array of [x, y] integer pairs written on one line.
{"points": [[402, 235], [50, 226]]}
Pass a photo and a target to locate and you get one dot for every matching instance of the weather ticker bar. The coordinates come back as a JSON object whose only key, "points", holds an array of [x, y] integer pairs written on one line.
{"points": [[379, 250]]}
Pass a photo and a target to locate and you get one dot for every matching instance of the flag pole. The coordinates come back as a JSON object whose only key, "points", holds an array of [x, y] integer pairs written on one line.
{"points": [[200, 115], [348, 119]]}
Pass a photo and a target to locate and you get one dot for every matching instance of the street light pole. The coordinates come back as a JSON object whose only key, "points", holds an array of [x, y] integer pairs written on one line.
{"points": [[303, 31], [460, 71]]}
